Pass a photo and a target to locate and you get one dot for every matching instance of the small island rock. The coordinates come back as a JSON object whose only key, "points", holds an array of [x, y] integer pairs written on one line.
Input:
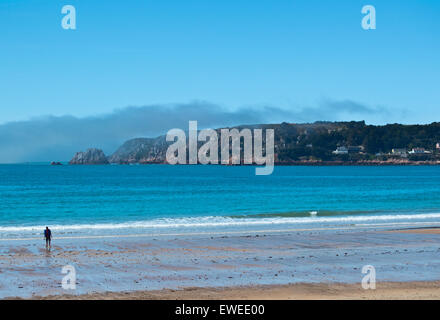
{"points": [[91, 156]]}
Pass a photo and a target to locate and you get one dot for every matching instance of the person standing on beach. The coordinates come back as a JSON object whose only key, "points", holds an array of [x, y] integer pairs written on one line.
{"points": [[48, 236]]}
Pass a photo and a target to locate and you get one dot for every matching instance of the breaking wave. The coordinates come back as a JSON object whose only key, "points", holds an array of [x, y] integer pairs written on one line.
{"points": [[219, 222]]}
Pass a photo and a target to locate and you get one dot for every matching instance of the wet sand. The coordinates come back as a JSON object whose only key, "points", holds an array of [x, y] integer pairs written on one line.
{"points": [[420, 231], [300, 291], [290, 264]]}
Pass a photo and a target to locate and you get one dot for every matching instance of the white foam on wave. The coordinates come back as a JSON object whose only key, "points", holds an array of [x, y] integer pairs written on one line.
{"points": [[204, 222]]}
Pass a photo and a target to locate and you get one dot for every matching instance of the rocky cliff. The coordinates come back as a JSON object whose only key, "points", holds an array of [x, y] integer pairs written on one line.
{"points": [[141, 150], [91, 156]]}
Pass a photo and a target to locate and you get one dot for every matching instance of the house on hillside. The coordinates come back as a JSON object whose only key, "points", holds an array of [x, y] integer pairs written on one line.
{"points": [[355, 149], [419, 151], [341, 150], [399, 152]]}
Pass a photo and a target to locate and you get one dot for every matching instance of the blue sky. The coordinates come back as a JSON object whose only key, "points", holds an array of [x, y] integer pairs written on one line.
{"points": [[287, 54], [139, 68]]}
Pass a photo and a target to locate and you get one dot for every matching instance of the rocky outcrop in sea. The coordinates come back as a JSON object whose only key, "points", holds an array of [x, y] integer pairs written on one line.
{"points": [[91, 156]]}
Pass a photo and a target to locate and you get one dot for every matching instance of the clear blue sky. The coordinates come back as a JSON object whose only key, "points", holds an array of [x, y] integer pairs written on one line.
{"points": [[235, 53]]}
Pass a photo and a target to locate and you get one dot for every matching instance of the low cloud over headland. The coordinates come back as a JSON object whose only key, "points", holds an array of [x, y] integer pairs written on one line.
{"points": [[50, 138]]}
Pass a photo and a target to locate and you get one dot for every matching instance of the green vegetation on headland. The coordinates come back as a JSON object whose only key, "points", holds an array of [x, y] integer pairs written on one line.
{"points": [[357, 142], [326, 143]]}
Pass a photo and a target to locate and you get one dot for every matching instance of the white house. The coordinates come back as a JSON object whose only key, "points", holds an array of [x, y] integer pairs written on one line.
{"points": [[419, 151], [341, 150]]}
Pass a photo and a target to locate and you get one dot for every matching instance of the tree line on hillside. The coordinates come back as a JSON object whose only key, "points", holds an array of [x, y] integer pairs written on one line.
{"points": [[319, 140]]}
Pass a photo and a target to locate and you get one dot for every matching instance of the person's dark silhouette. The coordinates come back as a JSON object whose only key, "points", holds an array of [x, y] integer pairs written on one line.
{"points": [[48, 237]]}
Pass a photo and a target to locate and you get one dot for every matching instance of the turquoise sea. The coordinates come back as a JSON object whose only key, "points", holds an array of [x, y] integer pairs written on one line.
{"points": [[142, 199]]}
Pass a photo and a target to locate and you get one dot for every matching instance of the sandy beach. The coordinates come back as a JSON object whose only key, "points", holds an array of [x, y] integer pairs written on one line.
{"points": [[302, 291], [284, 264]]}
